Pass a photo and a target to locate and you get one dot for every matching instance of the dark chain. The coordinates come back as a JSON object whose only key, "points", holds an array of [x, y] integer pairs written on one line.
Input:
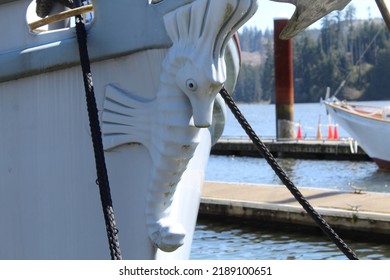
{"points": [[285, 179], [101, 170]]}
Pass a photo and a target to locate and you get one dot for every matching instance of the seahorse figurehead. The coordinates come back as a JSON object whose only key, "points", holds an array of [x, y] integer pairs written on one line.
{"points": [[308, 12], [201, 91], [200, 32]]}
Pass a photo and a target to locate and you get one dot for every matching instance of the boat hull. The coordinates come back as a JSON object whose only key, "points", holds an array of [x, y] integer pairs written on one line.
{"points": [[155, 95], [372, 134], [49, 200]]}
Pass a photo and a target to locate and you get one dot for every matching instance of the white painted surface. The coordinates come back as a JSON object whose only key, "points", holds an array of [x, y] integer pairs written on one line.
{"points": [[49, 202], [371, 134]]}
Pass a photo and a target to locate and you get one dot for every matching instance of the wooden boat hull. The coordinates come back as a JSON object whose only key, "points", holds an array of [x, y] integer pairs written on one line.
{"points": [[371, 133]]}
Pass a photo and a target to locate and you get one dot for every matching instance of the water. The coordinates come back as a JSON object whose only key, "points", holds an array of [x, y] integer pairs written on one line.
{"points": [[339, 175], [262, 119], [219, 240]]}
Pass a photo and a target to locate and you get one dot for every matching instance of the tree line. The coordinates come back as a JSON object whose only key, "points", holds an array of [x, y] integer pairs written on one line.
{"points": [[350, 56]]}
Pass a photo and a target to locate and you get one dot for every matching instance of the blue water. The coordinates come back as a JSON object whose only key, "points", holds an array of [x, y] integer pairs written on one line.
{"points": [[215, 240], [220, 240], [308, 115], [339, 175], [342, 175]]}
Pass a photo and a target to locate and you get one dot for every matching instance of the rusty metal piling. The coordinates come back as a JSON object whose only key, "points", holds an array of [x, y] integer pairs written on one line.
{"points": [[284, 83]]}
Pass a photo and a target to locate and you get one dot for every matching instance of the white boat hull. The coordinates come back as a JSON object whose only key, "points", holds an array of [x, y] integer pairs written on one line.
{"points": [[49, 200], [372, 134], [156, 154]]}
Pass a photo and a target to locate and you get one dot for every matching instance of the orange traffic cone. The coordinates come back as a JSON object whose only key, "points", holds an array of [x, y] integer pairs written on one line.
{"points": [[335, 133], [299, 133], [319, 133], [330, 132]]}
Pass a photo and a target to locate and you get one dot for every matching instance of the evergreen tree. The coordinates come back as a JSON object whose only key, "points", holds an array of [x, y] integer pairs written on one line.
{"points": [[268, 76], [357, 52], [248, 88], [379, 77]]}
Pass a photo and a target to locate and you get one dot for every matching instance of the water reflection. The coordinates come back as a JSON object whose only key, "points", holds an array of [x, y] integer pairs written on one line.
{"points": [[215, 240], [375, 181], [340, 175]]}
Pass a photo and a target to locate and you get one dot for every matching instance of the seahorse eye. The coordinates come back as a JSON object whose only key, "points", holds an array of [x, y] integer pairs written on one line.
{"points": [[191, 85]]}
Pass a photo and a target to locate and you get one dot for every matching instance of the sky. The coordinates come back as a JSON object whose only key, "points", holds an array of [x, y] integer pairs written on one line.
{"points": [[268, 10]]}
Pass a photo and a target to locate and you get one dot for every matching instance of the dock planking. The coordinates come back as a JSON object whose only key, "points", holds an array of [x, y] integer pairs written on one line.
{"points": [[355, 213], [294, 148]]}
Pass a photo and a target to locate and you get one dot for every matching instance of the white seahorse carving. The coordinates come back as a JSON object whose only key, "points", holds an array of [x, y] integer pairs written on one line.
{"points": [[193, 72]]}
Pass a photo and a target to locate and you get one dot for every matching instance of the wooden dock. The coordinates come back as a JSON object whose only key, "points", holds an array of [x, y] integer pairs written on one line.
{"points": [[354, 213], [302, 149]]}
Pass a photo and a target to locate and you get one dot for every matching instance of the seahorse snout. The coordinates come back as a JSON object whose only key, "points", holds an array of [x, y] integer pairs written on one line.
{"points": [[202, 109], [201, 90]]}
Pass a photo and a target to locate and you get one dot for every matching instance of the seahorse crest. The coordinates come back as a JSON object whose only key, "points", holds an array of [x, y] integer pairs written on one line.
{"points": [[199, 33]]}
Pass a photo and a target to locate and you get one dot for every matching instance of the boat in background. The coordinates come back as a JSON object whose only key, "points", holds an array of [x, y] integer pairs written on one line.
{"points": [[368, 125]]}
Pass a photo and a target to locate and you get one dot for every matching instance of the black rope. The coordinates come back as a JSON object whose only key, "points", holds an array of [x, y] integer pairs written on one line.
{"points": [[101, 170], [285, 179]]}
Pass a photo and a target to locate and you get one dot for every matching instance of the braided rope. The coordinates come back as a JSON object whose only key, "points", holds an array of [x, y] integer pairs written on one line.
{"points": [[101, 170], [325, 227]]}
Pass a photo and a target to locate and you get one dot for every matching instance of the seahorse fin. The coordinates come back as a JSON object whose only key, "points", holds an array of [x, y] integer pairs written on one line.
{"points": [[125, 118]]}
